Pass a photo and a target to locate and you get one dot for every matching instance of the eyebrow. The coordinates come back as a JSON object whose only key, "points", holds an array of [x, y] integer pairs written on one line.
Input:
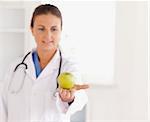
{"points": [[41, 25], [55, 26]]}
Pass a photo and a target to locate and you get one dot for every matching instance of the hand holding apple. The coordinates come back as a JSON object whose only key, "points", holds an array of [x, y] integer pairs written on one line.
{"points": [[67, 86], [66, 95], [67, 81]]}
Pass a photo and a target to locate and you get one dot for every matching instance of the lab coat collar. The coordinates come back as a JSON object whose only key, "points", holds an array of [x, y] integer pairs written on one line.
{"points": [[30, 66], [51, 66]]}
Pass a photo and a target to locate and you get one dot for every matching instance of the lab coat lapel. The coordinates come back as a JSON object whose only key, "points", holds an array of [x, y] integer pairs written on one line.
{"points": [[51, 66], [30, 70]]}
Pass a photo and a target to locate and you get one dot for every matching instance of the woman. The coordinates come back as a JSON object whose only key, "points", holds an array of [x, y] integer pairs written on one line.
{"points": [[29, 89]]}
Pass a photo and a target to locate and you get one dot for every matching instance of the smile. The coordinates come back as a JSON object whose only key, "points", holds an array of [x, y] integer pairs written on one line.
{"points": [[47, 42]]}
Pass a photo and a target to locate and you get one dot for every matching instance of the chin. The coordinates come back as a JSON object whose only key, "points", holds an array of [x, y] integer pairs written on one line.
{"points": [[47, 49]]}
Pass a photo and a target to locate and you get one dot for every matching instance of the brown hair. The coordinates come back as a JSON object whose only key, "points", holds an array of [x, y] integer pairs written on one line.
{"points": [[46, 9]]}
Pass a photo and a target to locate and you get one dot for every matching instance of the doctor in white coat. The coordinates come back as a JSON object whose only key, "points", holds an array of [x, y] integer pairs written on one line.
{"points": [[29, 92]]}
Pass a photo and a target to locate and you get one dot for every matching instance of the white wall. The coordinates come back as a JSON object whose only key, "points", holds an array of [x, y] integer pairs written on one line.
{"points": [[127, 99], [89, 28]]}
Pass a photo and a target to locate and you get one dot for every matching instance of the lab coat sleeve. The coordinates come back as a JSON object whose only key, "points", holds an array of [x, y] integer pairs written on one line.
{"points": [[3, 94], [77, 105], [3, 107], [70, 65]]}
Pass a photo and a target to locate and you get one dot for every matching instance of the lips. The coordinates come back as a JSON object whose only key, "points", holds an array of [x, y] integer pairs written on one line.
{"points": [[47, 42]]}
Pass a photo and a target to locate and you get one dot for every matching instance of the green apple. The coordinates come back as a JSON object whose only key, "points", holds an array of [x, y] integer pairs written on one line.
{"points": [[66, 80]]}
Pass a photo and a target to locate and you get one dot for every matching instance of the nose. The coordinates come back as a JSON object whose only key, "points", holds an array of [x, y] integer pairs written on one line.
{"points": [[48, 35]]}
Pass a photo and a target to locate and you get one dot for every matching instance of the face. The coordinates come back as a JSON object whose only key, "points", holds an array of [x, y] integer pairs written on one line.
{"points": [[47, 32]]}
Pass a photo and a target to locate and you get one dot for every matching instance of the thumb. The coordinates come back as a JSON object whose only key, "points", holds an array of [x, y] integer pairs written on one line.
{"points": [[78, 87]]}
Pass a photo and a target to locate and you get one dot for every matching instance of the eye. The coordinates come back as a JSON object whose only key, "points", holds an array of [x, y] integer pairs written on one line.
{"points": [[41, 29], [54, 29]]}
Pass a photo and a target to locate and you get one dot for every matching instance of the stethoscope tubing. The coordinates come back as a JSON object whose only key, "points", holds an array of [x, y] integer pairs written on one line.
{"points": [[26, 67]]}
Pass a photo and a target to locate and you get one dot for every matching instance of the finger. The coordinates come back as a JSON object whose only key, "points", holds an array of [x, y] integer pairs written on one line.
{"points": [[72, 91], [68, 95], [60, 90], [79, 87], [64, 92]]}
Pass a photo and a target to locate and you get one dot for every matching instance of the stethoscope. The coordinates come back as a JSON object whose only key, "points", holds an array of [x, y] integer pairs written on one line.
{"points": [[21, 65]]}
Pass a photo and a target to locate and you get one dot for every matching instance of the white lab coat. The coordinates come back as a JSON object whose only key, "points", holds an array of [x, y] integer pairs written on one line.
{"points": [[35, 102]]}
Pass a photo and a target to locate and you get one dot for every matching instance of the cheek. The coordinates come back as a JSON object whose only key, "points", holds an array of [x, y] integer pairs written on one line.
{"points": [[35, 35], [38, 38], [58, 37]]}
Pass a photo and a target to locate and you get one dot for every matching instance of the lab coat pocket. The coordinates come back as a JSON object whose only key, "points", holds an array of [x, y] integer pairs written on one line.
{"points": [[17, 107], [50, 111]]}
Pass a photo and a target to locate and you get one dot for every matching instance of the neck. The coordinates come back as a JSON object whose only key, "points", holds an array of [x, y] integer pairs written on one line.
{"points": [[45, 57]]}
